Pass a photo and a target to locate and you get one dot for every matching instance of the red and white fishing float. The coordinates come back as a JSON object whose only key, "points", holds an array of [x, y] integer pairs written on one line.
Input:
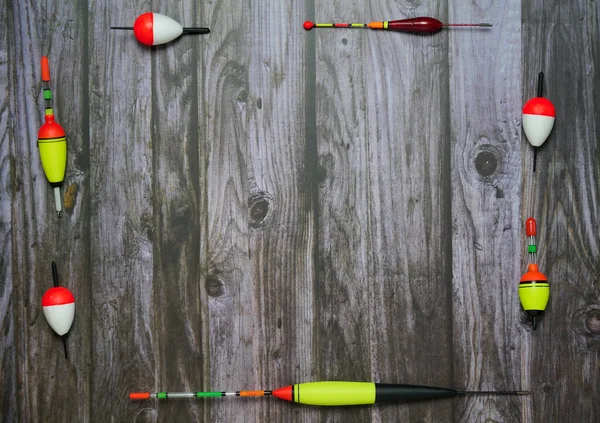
{"points": [[152, 29], [538, 120], [58, 305]]}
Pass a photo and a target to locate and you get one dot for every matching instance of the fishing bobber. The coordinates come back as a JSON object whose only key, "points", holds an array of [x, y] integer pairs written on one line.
{"points": [[420, 25], [152, 29], [58, 304], [52, 144], [534, 292], [52, 141], [534, 289], [538, 116], [538, 120]]}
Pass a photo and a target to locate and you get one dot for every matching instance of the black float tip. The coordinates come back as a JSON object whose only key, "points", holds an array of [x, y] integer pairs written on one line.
{"points": [[54, 274], [194, 30], [481, 393], [65, 346], [540, 87]]}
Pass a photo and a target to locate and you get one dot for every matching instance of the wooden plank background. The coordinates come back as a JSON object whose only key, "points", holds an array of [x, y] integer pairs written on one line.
{"points": [[262, 206]]}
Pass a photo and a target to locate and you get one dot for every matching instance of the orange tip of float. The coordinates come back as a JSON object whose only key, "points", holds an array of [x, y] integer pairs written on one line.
{"points": [[375, 25], [45, 69], [533, 274], [252, 393], [139, 395]]}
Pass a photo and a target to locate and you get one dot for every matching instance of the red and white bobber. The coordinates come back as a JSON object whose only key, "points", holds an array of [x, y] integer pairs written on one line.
{"points": [[152, 29], [538, 117], [58, 304]]}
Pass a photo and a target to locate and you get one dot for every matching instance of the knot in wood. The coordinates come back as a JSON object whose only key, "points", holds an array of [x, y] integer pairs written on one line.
{"points": [[587, 324], [243, 96], [486, 163], [485, 160], [260, 209], [214, 286], [592, 322]]}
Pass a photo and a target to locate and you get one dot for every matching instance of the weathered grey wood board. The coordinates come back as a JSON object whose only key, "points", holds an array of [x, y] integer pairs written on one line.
{"points": [[565, 353], [262, 206]]}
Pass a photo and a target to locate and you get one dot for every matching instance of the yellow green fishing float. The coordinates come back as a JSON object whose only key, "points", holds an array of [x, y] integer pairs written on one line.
{"points": [[332, 393]]}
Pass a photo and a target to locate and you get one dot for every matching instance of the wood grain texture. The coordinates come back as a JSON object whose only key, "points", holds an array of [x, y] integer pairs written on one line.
{"points": [[342, 310], [565, 191], [8, 330], [382, 304], [179, 302], [39, 237], [279, 203], [233, 324], [126, 336], [485, 87], [262, 206], [258, 209]]}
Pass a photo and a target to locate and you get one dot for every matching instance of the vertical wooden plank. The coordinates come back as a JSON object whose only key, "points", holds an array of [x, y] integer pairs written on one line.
{"points": [[122, 216], [180, 301], [409, 209], [233, 322], [342, 311], [279, 203], [257, 212], [72, 235], [561, 39], [50, 387], [8, 369], [485, 88], [384, 245]]}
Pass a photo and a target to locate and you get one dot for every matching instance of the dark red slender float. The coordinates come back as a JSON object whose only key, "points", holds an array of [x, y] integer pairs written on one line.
{"points": [[420, 25]]}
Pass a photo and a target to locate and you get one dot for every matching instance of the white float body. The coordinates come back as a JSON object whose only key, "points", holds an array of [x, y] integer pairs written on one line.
{"points": [[60, 317], [537, 128], [165, 29]]}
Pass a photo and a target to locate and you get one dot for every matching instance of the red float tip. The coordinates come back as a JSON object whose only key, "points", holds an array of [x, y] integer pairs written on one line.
{"points": [[539, 106], [308, 25], [530, 227], [143, 28], [285, 393], [58, 295], [139, 395], [50, 129], [45, 69]]}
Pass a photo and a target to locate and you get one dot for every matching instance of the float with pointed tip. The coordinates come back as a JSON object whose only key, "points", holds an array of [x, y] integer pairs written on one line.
{"points": [[420, 25], [52, 141], [538, 119], [58, 305], [152, 29], [534, 289], [332, 393]]}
